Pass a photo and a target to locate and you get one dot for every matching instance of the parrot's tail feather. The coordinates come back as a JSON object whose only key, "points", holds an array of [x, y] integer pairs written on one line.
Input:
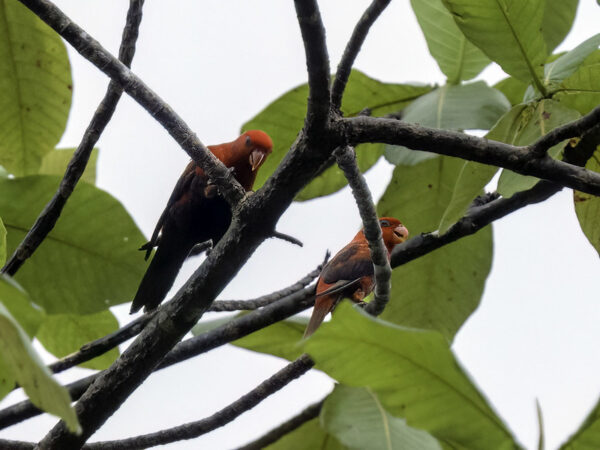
{"points": [[160, 275], [323, 306]]}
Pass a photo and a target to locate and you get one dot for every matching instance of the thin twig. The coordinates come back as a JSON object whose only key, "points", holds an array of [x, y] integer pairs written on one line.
{"points": [[286, 427], [352, 48], [6, 444], [317, 64], [518, 159], [346, 160], [246, 305], [287, 238], [91, 49], [49, 216], [192, 430]]}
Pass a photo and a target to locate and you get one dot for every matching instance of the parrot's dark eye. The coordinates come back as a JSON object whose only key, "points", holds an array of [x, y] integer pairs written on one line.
{"points": [[384, 223], [248, 141]]}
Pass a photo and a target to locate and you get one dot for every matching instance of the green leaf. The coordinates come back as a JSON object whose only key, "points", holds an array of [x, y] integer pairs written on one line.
{"points": [[413, 373], [309, 436], [26, 367], [63, 334], [35, 89], [513, 89], [567, 64], [558, 20], [475, 176], [284, 118], [534, 121], [474, 106], [89, 261], [587, 207], [587, 436], [281, 339], [507, 31], [2, 243], [376, 429], [440, 290], [467, 106], [581, 91], [55, 163], [19, 305], [456, 56]]}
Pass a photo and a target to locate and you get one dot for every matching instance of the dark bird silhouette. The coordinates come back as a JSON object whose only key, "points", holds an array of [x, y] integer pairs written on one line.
{"points": [[195, 213]]}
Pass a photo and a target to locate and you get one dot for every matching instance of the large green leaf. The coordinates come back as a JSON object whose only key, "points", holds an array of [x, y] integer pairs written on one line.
{"points": [[309, 436], [413, 373], [534, 121], [376, 428], [89, 261], [587, 437], [2, 243], [463, 107], [581, 91], [284, 118], [513, 89], [280, 339], [458, 58], [26, 368], [55, 163], [19, 305], [63, 334], [567, 64], [587, 207], [474, 106], [439, 290], [558, 20], [507, 31], [475, 176], [35, 88]]}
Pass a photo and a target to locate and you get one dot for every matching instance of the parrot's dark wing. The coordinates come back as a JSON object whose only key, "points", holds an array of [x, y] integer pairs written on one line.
{"points": [[183, 184], [347, 267]]}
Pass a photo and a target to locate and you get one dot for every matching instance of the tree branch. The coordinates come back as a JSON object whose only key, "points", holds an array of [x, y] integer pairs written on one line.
{"points": [[49, 216], [346, 160], [292, 424], [569, 130], [317, 64], [91, 49], [352, 48], [519, 159], [192, 430]]}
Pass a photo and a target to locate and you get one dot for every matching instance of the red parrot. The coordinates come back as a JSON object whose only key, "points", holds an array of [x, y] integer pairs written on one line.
{"points": [[196, 213], [350, 272]]}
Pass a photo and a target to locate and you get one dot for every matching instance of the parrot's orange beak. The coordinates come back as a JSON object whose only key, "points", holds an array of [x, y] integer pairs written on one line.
{"points": [[400, 234], [257, 157]]}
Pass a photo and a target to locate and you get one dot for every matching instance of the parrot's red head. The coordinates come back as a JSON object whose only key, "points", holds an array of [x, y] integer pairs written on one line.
{"points": [[258, 145], [393, 231]]}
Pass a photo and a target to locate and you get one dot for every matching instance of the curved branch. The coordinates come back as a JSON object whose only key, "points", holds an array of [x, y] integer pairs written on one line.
{"points": [[453, 143], [317, 64], [352, 48], [49, 216], [91, 49], [346, 160], [192, 430], [290, 425]]}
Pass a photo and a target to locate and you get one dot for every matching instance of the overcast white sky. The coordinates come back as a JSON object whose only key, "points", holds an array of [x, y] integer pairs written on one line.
{"points": [[218, 63]]}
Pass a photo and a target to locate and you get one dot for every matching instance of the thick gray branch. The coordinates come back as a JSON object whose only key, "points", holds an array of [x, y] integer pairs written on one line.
{"points": [[452, 143]]}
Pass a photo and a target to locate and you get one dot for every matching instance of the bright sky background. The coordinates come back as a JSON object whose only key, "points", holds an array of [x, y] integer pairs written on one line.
{"points": [[218, 63]]}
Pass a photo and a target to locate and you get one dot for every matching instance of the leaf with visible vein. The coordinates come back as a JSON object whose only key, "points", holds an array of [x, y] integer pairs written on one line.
{"points": [[458, 58], [35, 89], [55, 163], [413, 373]]}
